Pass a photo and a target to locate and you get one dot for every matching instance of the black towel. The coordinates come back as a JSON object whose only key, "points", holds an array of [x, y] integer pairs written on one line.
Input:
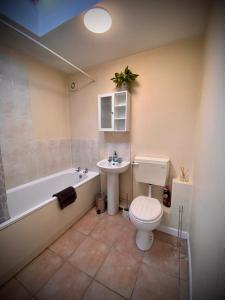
{"points": [[66, 196]]}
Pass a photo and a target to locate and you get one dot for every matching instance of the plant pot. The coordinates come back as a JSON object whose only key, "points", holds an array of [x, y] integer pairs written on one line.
{"points": [[124, 87]]}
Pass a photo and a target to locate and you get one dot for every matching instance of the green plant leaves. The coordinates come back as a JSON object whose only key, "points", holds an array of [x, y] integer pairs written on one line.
{"points": [[124, 77]]}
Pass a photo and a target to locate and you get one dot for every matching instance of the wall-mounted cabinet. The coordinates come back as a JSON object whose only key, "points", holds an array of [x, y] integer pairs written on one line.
{"points": [[114, 111]]}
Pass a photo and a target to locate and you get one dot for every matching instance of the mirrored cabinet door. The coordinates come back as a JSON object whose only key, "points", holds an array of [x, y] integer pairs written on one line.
{"points": [[105, 112]]}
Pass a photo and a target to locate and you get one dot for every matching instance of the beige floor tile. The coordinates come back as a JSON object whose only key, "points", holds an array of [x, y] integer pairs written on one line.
{"points": [[126, 244], [155, 285], [96, 291], [184, 290], [68, 283], [93, 211], [119, 219], [90, 256], [37, 273], [106, 231], [88, 222], [170, 239], [118, 272], [13, 290], [166, 238], [165, 257], [184, 272], [184, 247], [67, 243]]}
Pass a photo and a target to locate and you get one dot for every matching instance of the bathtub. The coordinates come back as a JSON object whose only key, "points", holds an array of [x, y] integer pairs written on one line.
{"points": [[36, 219]]}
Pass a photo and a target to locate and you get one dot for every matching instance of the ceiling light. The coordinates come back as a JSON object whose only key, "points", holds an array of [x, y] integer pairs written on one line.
{"points": [[97, 20]]}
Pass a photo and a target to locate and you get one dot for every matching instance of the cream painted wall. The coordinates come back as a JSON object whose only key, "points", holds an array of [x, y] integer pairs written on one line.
{"points": [[164, 104], [49, 101], [207, 234]]}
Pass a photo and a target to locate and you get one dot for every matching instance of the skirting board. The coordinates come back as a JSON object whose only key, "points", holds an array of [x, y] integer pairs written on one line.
{"points": [[184, 235], [172, 231]]}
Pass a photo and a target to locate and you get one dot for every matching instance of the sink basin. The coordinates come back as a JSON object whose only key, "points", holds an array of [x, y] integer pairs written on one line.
{"points": [[112, 167], [113, 170]]}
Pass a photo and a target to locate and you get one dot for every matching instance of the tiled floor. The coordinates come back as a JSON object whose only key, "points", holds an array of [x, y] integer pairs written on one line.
{"points": [[97, 259]]}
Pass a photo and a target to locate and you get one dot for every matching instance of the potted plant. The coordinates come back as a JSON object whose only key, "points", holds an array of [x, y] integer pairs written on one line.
{"points": [[124, 78]]}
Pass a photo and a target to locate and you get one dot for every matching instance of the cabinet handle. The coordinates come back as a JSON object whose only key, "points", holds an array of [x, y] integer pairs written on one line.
{"points": [[112, 112]]}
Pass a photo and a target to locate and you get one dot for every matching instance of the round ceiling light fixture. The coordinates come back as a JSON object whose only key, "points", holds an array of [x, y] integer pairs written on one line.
{"points": [[97, 20]]}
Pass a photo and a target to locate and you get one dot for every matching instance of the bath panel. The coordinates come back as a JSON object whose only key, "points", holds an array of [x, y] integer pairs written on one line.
{"points": [[36, 219]]}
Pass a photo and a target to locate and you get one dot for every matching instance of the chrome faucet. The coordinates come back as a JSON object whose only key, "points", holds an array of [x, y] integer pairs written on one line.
{"points": [[119, 160], [77, 170], [85, 171]]}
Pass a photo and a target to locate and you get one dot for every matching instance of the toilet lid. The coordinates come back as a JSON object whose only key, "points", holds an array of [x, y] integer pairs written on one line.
{"points": [[146, 208]]}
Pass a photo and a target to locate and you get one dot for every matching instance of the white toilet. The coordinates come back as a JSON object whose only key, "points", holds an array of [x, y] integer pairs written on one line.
{"points": [[146, 212]]}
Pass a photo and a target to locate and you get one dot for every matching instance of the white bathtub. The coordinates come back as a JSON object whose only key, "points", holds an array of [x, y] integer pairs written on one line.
{"points": [[36, 219]]}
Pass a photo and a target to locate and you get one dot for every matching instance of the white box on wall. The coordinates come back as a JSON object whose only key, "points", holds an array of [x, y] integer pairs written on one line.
{"points": [[181, 195]]}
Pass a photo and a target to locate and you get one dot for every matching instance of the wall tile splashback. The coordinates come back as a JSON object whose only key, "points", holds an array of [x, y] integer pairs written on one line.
{"points": [[33, 159], [24, 157], [85, 153], [123, 150]]}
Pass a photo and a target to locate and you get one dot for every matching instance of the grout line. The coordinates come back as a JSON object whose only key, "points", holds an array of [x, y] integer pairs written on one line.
{"points": [[93, 278], [76, 230], [138, 271], [167, 274], [184, 253], [163, 272], [111, 247], [115, 292], [96, 274], [55, 253], [20, 283], [85, 291], [99, 221], [44, 284]]}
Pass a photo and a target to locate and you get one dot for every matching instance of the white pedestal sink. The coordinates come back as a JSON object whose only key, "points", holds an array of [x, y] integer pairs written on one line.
{"points": [[113, 170]]}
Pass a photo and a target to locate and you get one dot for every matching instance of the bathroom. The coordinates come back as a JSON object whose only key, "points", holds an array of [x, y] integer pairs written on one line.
{"points": [[167, 128]]}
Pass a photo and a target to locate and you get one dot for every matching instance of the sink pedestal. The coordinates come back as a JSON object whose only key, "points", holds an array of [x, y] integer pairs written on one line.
{"points": [[112, 193], [113, 169]]}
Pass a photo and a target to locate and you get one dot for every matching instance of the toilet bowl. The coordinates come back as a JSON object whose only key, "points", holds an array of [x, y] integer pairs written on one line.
{"points": [[146, 214]]}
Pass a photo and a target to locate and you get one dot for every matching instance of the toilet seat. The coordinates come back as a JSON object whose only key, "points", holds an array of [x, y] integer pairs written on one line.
{"points": [[145, 209]]}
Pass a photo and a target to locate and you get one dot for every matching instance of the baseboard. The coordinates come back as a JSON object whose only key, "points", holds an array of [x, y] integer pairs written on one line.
{"points": [[172, 231]]}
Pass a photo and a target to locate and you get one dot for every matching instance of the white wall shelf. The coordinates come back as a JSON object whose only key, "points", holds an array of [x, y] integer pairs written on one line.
{"points": [[114, 111], [120, 105]]}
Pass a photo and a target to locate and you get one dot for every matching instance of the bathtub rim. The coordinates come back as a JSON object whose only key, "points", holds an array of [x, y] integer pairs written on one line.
{"points": [[91, 175]]}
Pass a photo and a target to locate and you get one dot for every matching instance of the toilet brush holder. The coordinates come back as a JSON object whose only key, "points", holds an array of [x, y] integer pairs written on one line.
{"points": [[125, 213]]}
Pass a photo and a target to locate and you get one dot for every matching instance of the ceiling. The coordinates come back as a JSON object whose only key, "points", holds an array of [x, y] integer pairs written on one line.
{"points": [[137, 26], [42, 16]]}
